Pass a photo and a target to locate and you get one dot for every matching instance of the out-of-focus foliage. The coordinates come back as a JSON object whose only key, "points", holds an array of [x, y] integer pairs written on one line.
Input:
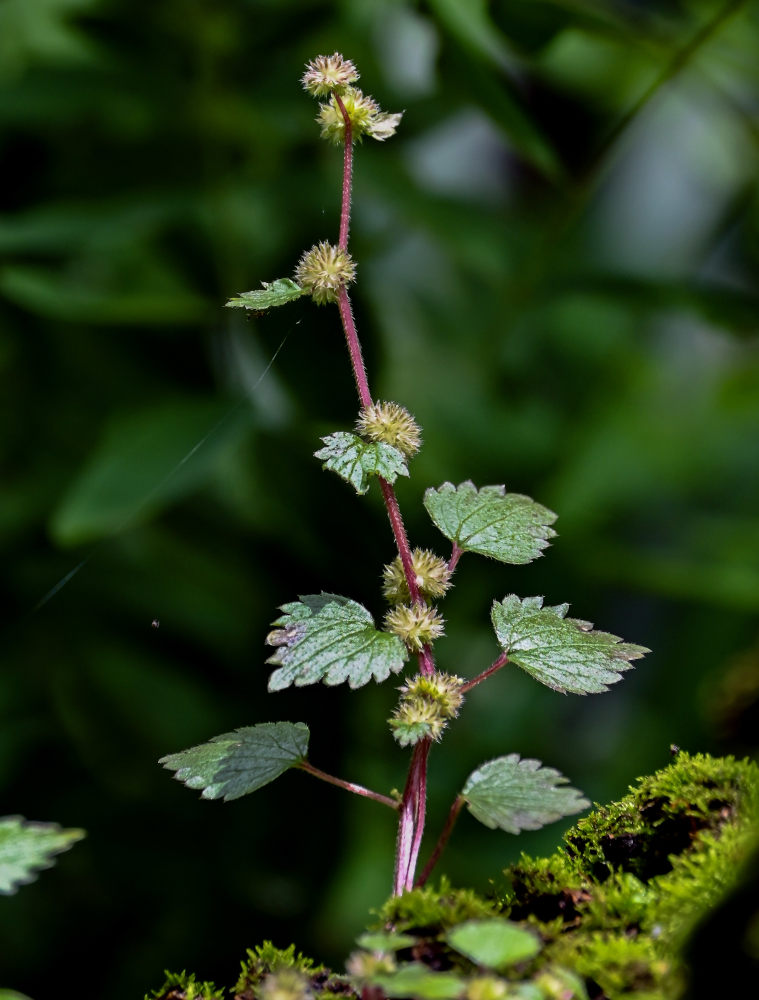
{"points": [[557, 259]]}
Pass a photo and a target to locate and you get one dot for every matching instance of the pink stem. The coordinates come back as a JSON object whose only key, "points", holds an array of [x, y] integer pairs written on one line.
{"points": [[502, 660], [345, 209], [456, 554], [420, 812], [458, 802], [354, 347], [413, 805], [347, 785]]}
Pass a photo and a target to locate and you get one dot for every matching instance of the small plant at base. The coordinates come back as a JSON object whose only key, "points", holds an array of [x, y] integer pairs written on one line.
{"points": [[333, 639]]}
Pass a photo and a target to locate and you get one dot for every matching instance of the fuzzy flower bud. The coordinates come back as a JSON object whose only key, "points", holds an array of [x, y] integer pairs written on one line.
{"points": [[391, 423], [285, 984], [328, 74], [415, 624], [366, 118], [427, 704], [365, 964], [433, 578], [322, 270]]}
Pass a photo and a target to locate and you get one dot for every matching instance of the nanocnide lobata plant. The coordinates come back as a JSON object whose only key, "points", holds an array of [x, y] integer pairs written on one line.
{"points": [[333, 639]]}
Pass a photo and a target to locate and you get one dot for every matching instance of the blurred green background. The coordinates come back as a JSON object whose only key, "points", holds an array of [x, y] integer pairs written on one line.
{"points": [[557, 275]]}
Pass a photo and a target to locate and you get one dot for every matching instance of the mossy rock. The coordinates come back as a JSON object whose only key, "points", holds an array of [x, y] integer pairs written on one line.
{"points": [[609, 915]]}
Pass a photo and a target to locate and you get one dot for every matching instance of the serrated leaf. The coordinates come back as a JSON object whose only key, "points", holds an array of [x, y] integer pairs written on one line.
{"points": [[328, 638], [355, 460], [26, 848], [234, 764], [419, 981], [272, 293], [493, 943], [565, 654], [513, 794], [505, 526]]}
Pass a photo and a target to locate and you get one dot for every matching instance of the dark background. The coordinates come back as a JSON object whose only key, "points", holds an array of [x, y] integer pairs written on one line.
{"points": [[557, 275]]}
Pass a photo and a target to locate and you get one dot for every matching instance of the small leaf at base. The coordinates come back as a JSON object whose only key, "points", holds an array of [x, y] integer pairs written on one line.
{"points": [[505, 526], [234, 764], [513, 795], [493, 943], [355, 460], [328, 638]]}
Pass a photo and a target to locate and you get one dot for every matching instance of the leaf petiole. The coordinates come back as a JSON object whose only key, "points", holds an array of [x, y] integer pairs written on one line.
{"points": [[349, 786]]}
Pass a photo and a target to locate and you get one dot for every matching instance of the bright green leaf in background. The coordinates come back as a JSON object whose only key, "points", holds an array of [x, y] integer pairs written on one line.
{"points": [[26, 848], [142, 465], [505, 526], [493, 943], [328, 638], [565, 654], [273, 293], [355, 460], [513, 794], [235, 764]]}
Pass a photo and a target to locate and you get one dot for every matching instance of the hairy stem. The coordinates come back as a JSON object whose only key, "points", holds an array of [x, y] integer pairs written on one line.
{"points": [[453, 815], [345, 208], [502, 660], [354, 347], [349, 786], [456, 554], [411, 820], [414, 802]]}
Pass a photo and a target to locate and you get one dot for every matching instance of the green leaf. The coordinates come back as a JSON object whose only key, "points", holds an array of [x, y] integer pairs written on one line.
{"points": [[26, 848], [273, 293], [234, 764], [355, 460], [385, 941], [145, 461], [505, 526], [513, 795], [565, 654], [493, 943], [419, 981], [332, 639]]}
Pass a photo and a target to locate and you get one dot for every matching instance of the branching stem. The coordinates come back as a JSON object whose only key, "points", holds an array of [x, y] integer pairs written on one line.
{"points": [[502, 660], [453, 815], [349, 786], [414, 802]]}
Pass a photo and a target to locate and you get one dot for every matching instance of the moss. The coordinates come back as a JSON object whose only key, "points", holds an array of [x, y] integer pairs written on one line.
{"points": [[429, 908], [297, 974], [614, 907], [182, 986]]}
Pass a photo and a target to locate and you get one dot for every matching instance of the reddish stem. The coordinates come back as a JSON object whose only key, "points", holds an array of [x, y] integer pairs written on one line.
{"points": [[453, 815], [345, 209], [456, 554], [411, 821], [348, 785], [413, 804], [354, 347], [502, 660]]}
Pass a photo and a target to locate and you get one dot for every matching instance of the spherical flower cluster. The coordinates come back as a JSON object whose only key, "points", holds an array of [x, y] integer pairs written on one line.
{"points": [[328, 75], [427, 704], [366, 118], [433, 578], [285, 984], [322, 270], [391, 423], [415, 624]]}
